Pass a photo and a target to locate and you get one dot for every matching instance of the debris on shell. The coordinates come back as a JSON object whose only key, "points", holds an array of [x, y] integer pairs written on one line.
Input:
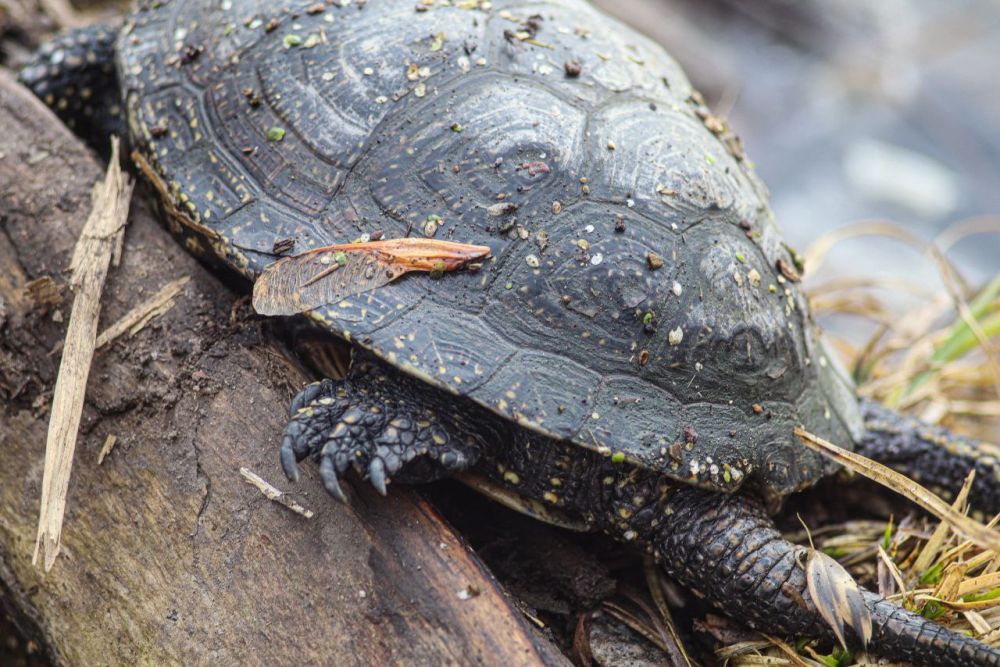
{"points": [[653, 261], [503, 208], [788, 271], [327, 275], [431, 225], [675, 336], [664, 191], [281, 246], [535, 168]]}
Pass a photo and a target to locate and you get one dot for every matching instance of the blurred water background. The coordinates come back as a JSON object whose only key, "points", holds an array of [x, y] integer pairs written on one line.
{"points": [[856, 111]]}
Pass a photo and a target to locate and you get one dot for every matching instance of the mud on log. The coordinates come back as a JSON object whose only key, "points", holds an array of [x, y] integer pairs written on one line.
{"points": [[169, 555]]}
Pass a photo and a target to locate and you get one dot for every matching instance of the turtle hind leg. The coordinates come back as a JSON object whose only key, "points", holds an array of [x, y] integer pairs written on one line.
{"points": [[931, 455], [727, 548], [379, 426], [75, 75]]}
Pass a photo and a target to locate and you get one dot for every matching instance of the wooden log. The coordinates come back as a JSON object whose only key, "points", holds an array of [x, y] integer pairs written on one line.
{"points": [[168, 555]]}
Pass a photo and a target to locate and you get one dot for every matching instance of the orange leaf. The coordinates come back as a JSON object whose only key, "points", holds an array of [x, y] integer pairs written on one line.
{"points": [[327, 275]]}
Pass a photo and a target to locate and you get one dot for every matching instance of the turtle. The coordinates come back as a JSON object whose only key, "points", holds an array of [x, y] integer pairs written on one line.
{"points": [[603, 327]]}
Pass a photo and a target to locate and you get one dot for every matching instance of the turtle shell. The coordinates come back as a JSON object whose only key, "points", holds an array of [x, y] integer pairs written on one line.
{"points": [[639, 300]]}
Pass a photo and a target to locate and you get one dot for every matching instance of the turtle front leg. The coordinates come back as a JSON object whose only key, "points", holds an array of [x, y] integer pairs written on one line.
{"points": [[727, 548], [381, 427], [932, 455]]}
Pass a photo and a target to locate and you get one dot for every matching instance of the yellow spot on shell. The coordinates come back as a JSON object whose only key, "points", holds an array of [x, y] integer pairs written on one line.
{"points": [[550, 497], [512, 477]]}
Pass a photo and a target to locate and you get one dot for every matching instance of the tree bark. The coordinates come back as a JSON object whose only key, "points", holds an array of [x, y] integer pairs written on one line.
{"points": [[169, 556]]}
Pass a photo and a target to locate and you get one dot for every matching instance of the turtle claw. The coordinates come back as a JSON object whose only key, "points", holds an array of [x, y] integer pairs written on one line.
{"points": [[331, 481], [289, 460], [376, 475]]}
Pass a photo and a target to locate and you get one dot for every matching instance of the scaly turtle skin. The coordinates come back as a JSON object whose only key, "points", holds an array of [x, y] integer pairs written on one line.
{"points": [[636, 353]]}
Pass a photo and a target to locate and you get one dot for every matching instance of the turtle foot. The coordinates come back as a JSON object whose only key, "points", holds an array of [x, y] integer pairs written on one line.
{"points": [[726, 547], [371, 425]]}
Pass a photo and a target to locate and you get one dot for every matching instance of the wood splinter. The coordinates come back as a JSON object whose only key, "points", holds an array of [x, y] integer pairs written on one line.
{"points": [[98, 248], [273, 493]]}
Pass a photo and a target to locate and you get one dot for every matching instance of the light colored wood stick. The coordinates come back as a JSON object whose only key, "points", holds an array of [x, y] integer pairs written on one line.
{"points": [[109, 444], [134, 320], [271, 492], [91, 260]]}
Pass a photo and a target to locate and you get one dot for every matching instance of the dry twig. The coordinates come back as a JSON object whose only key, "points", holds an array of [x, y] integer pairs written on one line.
{"points": [[274, 493], [98, 248], [134, 320]]}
